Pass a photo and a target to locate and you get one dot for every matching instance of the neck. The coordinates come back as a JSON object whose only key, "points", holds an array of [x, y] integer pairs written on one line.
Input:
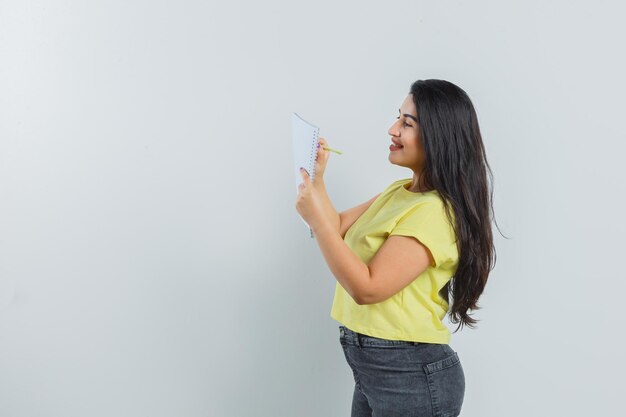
{"points": [[416, 187]]}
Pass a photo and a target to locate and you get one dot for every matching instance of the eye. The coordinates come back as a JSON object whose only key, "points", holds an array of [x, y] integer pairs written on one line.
{"points": [[405, 123]]}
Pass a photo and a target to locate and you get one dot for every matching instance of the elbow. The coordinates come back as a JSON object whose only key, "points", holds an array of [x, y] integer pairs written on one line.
{"points": [[370, 297], [363, 298], [359, 300]]}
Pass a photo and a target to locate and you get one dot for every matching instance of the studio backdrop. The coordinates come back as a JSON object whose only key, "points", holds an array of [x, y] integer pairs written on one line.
{"points": [[152, 261]]}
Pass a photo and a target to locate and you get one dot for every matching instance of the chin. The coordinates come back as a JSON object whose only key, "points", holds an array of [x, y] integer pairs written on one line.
{"points": [[390, 159]]}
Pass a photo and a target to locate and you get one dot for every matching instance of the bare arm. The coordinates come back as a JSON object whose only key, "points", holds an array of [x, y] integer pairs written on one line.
{"points": [[341, 221], [348, 217], [329, 209], [397, 263], [366, 284]]}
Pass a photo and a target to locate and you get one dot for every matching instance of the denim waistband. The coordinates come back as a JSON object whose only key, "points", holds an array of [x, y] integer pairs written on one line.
{"points": [[359, 339]]}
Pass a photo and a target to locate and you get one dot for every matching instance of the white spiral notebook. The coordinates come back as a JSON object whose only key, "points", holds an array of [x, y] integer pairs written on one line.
{"points": [[305, 137]]}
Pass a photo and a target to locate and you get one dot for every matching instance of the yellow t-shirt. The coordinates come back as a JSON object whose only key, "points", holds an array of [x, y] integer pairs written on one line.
{"points": [[416, 312]]}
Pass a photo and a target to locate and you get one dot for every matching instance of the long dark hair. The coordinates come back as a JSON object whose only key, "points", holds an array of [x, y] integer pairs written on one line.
{"points": [[456, 166]]}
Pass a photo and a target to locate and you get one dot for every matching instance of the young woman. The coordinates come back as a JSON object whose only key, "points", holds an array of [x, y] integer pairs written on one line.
{"points": [[397, 256]]}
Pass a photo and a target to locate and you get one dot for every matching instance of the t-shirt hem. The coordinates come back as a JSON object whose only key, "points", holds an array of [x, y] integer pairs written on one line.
{"points": [[396, 336]]}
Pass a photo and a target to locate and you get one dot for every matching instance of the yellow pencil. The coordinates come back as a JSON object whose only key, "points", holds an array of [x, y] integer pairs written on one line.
{"points": [[331, 149]]}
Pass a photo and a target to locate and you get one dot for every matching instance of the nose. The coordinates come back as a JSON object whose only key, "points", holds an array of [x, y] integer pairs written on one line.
{"points": [[393, 130]]}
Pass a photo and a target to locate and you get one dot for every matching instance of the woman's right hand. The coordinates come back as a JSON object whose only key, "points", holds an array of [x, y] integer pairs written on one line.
{"points": [[321, 160]]}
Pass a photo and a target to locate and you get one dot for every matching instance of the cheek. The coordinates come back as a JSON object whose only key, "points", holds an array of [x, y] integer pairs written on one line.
{"points": [[413, 147]]}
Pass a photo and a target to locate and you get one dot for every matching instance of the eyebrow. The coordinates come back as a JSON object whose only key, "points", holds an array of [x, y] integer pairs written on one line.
{"points": [[408, 115]]}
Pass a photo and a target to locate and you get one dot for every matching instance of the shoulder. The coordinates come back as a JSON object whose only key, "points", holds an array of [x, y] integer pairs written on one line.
{"points": [[395, 185], [428, 222], [429, 211], [400, 181]]}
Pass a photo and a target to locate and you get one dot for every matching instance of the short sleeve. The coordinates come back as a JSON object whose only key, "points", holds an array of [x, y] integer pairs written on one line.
{"points": [[428, 223]]}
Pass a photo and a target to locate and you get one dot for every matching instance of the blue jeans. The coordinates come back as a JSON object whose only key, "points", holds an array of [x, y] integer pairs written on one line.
{"points": [[402, 378]]}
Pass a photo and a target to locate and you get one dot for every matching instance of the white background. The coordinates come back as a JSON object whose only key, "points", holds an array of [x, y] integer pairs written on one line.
{"points": [[152, 262]]}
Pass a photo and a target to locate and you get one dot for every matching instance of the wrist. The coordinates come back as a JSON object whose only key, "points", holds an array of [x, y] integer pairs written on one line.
{"points": [[319, 182], [324, 226]]}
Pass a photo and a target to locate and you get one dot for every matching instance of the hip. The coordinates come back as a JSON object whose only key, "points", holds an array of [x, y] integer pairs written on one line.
{"points": [[397, 373]]}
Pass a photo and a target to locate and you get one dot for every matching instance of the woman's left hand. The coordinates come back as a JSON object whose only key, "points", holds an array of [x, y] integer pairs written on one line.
{"points": [[308, 202]]}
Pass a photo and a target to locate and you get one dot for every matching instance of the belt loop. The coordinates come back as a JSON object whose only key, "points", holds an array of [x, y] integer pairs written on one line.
{"points": [[358, 340]]}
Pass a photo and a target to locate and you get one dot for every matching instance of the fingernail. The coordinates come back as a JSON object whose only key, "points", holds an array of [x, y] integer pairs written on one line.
{"points": [[318, 144]]}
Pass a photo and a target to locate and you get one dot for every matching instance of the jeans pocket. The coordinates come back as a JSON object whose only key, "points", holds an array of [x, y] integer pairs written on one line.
{"points": [[446, 385]]}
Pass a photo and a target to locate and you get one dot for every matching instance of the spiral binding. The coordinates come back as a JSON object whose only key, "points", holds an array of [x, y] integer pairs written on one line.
{"points": [[312, 160], [313, 153]]}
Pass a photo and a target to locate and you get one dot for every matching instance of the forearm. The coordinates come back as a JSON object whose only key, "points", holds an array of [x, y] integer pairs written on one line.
{"points": [[329, 210], [349, 270]]}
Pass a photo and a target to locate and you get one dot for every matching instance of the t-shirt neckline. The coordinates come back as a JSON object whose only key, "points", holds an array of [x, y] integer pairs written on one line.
{"points": [[408, 181]]}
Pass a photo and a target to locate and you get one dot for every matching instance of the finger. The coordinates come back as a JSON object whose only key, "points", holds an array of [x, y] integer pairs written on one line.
{"points": [[305, 175], [322, 154], [326, 152]]}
